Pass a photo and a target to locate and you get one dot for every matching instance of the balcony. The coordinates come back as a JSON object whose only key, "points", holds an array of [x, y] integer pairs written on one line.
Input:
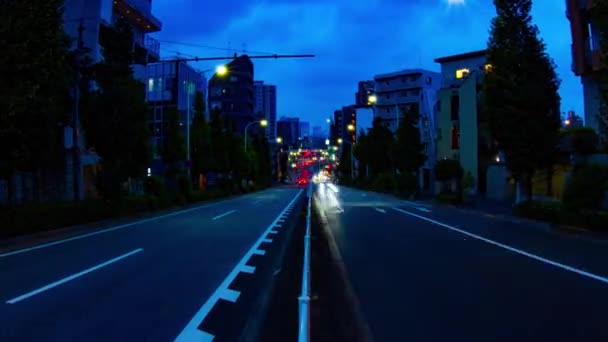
{"points": [[139, 13]]}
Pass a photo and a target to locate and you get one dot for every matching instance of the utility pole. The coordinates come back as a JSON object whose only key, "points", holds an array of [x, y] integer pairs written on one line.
{"points": [[76, 162]]}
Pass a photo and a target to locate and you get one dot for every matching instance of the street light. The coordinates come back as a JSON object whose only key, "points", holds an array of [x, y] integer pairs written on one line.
{"points": [[339, 140], [221, 70], [262, 123], [351, 127], [372, 99], [279, 140]]}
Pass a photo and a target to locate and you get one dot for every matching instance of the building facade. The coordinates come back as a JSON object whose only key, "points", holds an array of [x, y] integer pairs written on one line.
{"points": [[411, 89], [266, 106], [364, 90], [169, 86], [233, 93], [97, 15], [586, 56], [288, 129], [463, 133], [304, 129]]}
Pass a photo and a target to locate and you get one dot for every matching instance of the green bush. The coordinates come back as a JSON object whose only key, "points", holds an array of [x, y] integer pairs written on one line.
{"points": [[385, 182], [449, 198], [586, 188], [447, 170], [536, 210]]}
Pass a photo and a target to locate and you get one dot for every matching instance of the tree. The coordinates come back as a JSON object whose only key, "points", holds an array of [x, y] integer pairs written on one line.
{"points": [[34, 89], [408, 152], [380, 145], [520, 92], [174, 146], [200, 143], [361, 153], [599, 18], [117, 113]]}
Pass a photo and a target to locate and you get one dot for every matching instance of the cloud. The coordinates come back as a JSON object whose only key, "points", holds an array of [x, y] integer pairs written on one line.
{"points": [[353, 41]]}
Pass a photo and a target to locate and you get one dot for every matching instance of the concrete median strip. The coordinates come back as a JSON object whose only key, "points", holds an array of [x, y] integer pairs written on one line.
{"points": [[509, 248], [70, 278], [192, 332]]}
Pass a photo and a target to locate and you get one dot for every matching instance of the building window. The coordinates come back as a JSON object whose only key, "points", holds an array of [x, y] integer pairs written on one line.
{"points": [[455, 138], [233, 79], [388, 110], [455, 108], [429, 80], [150, 85], [461, 73]]}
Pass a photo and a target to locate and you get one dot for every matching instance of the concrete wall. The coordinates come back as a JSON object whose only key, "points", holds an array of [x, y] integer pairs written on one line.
{"points": [[469, 151], [591, 93], [448, 70]]}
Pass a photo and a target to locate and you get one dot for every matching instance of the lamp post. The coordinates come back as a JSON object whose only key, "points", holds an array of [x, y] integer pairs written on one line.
{"points": [[262, 123]]}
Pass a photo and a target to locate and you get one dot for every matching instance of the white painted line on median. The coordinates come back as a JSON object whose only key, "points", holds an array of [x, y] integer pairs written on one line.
{"points": [[72, 277], [224, 214], [230, 295], [122, 226], [248, 269], [191, 332], [423, 209], [512, 249], [273, 232], [267, 240], [380, 210]]}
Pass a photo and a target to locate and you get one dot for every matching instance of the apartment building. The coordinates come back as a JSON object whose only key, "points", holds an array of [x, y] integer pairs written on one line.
{"points": [[96, 16], [586, 55], [266, 105], [463, 133]]}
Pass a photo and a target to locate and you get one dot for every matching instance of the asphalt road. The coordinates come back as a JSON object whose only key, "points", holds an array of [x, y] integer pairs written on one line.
{"points": [[421, 272], [147, 280]]}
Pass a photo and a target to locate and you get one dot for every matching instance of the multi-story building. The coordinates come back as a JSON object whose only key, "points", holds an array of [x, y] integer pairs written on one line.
{"points": [[317, 132], [97, 15], [289, 131], [170, 86], [266, 106], [411, 89], [233, 93], [364, 90], [586, 56], [463, 132], [304, 129]]}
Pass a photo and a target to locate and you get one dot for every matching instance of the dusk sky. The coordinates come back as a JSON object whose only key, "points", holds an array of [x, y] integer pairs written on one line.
{"points": [[353, 40]]}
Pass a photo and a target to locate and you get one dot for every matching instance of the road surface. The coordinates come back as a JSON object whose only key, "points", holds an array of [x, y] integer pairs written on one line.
{"points": [[421, 272], [154, 279]]}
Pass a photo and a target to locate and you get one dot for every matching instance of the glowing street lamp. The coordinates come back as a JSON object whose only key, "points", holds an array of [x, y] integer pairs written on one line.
{"points": [[221, 70], [372, 99], [351, 127], [340, 140], [279, 140], [264, 123]]}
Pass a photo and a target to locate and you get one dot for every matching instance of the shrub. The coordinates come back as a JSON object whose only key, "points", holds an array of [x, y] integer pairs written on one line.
{"points": [[384, 182], [537, 210], [586, 188], [447, 170], [154, 185], [449, 198]]}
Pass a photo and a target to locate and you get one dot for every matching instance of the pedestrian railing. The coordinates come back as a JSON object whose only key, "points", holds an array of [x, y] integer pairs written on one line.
{"points": [[304, 300]]}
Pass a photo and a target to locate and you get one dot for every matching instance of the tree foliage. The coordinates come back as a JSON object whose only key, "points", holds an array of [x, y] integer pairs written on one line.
{"points": [[200, 142], [117, 113], [375, 149], [174, 146], [34, 87], [408, 152], [599, 17], [520, 92]]}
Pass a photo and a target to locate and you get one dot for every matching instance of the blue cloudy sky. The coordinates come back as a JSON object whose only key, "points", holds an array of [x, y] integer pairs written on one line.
{"points": [[353, 41]]}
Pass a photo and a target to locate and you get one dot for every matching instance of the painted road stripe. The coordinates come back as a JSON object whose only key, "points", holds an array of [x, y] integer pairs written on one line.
{"points": [[191, 332], [122, 226], [230, 295], [267, 240], [273, 232], [381, 210], [512, 249], [423, 209], [248, 269], [72, 277], [224, 214]]}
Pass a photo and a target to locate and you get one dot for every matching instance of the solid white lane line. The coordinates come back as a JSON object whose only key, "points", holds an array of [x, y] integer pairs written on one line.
{"points": [[224, 214], [512, 249], [72, 277], [191, 332], [381, 210], [122, 226]]}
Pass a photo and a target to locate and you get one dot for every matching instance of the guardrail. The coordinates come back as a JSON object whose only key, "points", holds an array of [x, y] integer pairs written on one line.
{"points": [[304, 299]]}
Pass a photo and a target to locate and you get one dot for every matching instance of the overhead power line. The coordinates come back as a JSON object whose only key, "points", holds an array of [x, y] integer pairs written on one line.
{"points": [[212, 47]]}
